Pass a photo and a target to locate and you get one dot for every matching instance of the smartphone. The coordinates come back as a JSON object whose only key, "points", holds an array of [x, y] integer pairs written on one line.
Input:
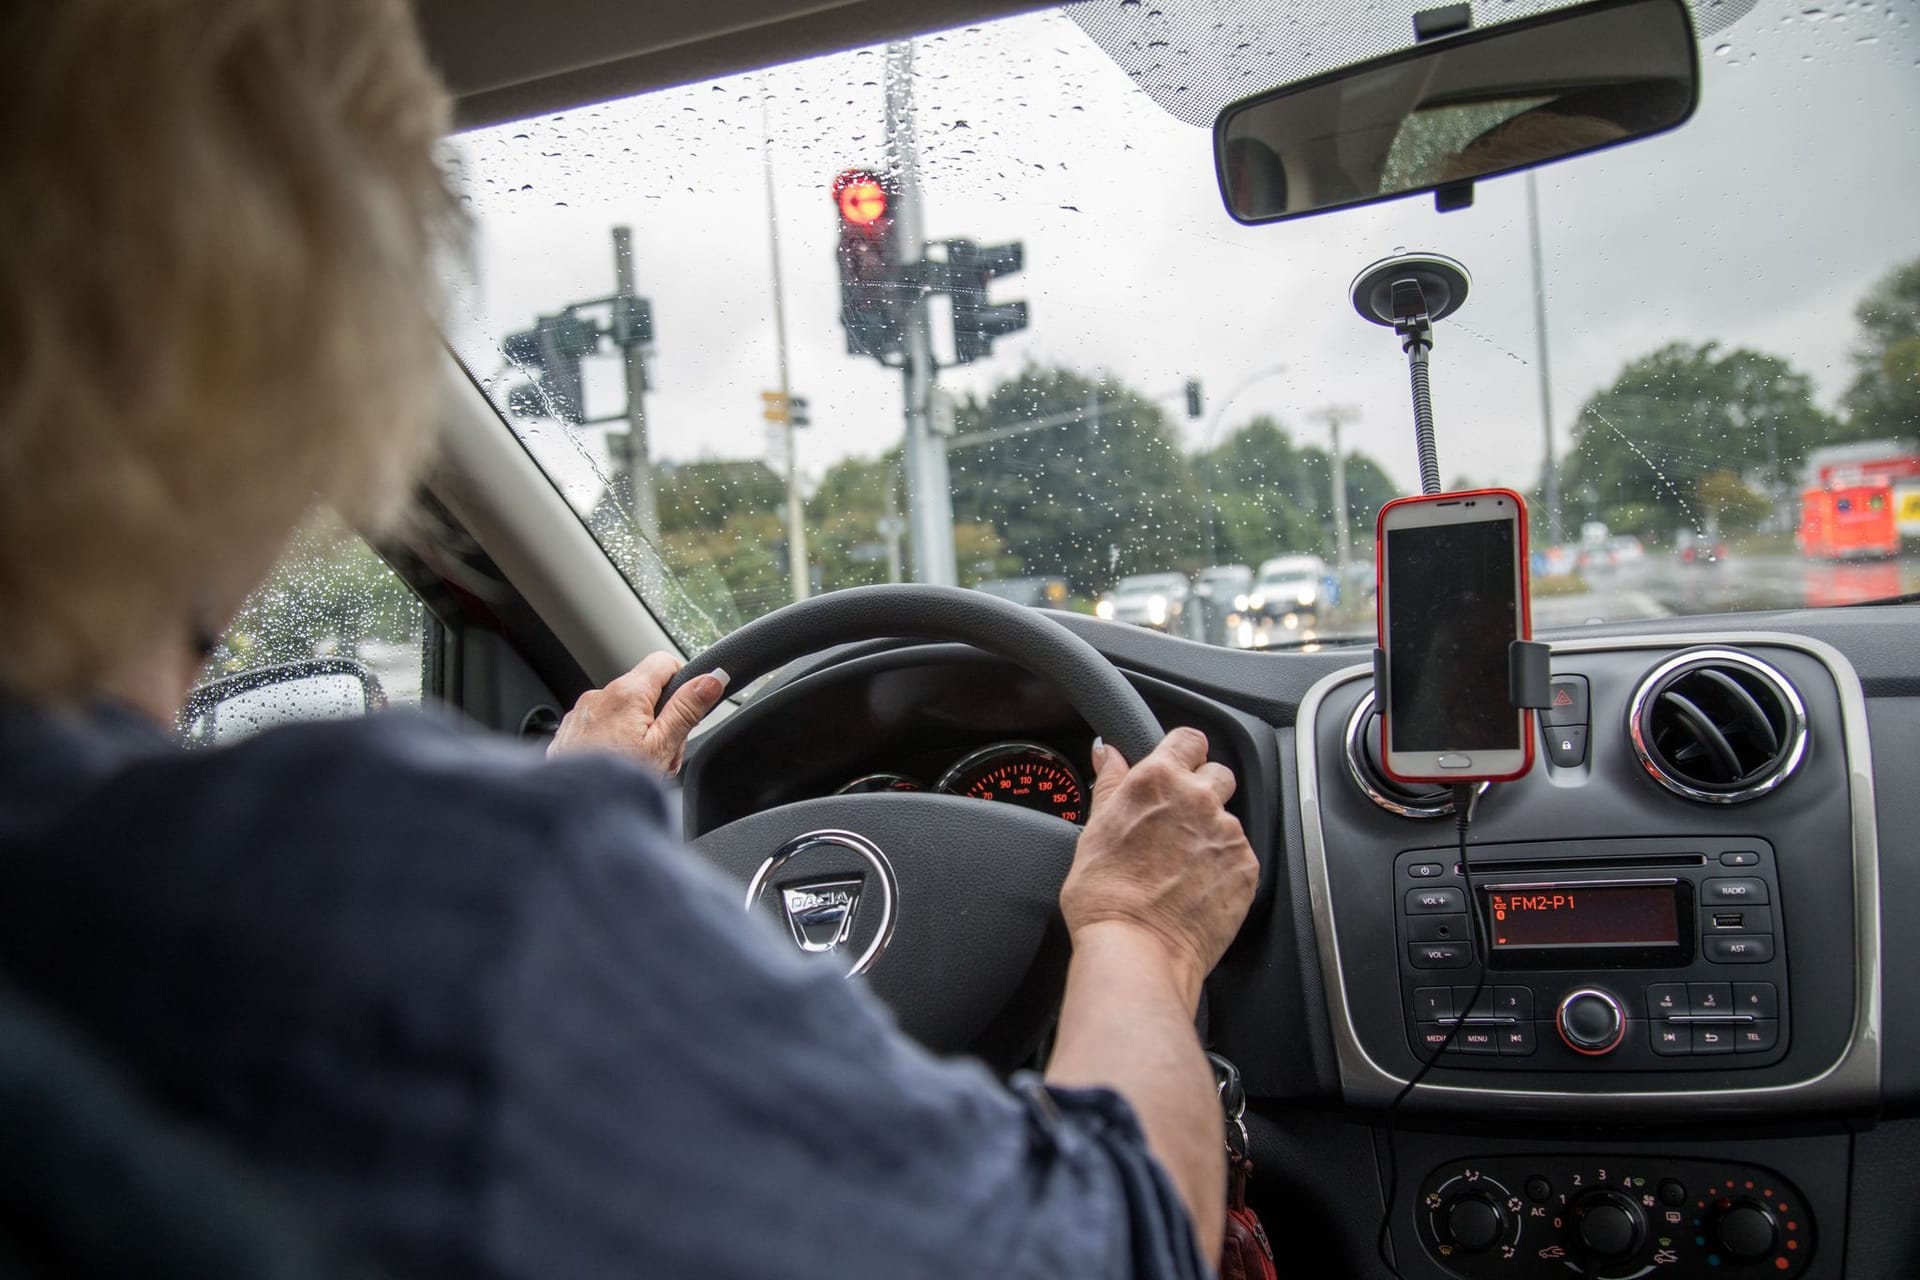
{"points": [[1452, 570]]}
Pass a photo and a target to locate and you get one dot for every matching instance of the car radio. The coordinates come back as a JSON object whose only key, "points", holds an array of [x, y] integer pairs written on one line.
{"points": [[1616, 955]]}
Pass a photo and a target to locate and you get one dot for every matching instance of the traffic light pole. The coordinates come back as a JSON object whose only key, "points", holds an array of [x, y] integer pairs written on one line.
{"points": [[632, 461], [798, 573], [929, 486]]}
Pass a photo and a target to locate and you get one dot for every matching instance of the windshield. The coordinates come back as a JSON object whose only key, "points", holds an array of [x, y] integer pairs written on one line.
{"points": [[1150, 584], [1697, 356]]}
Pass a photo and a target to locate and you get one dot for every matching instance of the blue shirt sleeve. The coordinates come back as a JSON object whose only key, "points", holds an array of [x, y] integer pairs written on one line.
{"points": [[682, 1093]]}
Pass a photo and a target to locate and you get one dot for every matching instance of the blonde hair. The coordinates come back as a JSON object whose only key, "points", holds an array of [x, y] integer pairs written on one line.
{"points": [[218, 221]]}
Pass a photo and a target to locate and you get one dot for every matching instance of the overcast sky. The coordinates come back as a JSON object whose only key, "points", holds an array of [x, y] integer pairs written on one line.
{"points": [[1759, 223]]}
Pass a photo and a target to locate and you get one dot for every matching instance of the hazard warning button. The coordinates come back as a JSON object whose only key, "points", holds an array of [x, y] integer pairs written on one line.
{"points": [[1567, 704]]}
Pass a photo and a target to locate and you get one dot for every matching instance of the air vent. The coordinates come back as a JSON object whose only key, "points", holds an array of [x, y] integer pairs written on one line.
{"points": [[1718, 726], [1407, 799]]}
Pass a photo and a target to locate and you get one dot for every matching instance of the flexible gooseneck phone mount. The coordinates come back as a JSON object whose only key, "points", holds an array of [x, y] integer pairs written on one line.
{"points": [[1408, 293]]}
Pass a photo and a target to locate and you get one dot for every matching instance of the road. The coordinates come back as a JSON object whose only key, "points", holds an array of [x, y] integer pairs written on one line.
{"points": [[1659, 586]]}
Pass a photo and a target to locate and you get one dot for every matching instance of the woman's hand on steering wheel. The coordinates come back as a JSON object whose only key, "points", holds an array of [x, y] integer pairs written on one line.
{"points": [[621, 718]]}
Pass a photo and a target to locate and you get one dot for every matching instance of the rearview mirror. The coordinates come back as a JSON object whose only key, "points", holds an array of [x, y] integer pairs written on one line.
{"points": [[1455, 109], [240, 706]]}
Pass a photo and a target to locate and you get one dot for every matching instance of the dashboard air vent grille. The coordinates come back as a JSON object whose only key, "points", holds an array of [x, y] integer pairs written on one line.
{"points": [[1407, 799], [1718, 726]]}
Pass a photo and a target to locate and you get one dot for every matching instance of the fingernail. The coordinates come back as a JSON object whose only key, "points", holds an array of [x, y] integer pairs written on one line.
{"points": [[720, 674], [1099, 753]]}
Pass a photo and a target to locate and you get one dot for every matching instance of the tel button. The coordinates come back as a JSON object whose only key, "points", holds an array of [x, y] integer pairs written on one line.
{"points": [[1439, 900], [1757, 1036], [1738, 891]]}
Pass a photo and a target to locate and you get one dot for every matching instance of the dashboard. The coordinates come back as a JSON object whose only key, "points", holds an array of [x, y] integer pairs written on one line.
{"points": [[1643, 1027]]}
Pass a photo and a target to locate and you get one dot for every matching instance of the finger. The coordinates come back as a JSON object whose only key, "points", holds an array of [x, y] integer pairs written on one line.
{"points": [[1219, 780], [1185, 747], [648, 677], [1109, 770], [690, 706]]}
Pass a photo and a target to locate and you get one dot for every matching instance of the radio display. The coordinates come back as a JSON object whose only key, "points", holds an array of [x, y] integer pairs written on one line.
{"points": [[1529, 917]]}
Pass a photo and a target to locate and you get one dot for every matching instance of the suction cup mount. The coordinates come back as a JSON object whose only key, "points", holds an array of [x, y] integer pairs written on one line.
{"points": [[1408, 293]]}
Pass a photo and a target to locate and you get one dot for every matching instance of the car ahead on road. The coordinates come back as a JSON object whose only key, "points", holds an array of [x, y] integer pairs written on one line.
{"points": [[1289, 591], [1221, 592], [1035, 593], [1157, 601]]}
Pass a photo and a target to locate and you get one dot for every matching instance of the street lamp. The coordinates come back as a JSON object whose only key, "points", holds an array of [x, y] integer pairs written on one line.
{"points": [[1206, 445]]}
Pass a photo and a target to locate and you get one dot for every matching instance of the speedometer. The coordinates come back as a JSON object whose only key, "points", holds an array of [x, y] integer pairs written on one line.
{"points": [[1023, 773]]}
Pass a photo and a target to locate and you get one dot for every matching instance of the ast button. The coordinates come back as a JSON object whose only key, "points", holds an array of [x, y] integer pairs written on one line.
{"points": [[1439, 900], [1445, 955], [1747, 948], [1566, 744], [1568, 702], [1734, 891]]}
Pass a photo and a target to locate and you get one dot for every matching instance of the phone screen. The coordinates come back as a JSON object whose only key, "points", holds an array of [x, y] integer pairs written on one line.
{"points": [[1451, 615]]}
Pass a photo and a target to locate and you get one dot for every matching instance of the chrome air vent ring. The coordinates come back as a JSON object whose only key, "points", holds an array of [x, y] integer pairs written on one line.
{"points": [[1407, 800], [1717, 726]]}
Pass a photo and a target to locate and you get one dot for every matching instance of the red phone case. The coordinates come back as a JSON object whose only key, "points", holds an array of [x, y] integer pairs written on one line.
{"points": [[1380, 626]]}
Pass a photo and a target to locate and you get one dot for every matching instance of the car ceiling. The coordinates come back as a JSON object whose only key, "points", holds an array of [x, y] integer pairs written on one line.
{"points": [[506, 60]]}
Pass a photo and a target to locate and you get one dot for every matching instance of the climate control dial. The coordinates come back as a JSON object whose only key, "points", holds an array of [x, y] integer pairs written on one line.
{"points": [[1611, 1225], [1475, 1221]]}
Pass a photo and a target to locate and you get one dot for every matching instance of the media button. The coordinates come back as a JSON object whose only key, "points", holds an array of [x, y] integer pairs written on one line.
{"points": [[1713, 1039], [1441, 899], [1516, 1040], [1756, 1037], [1756, 998], [1708, 998], [1671, 1039], [1664, 999], [1426, 870], [1439, 955], [1431, 1004], [1734, 891], [1431, 1036], [1739, 858], [1746, 948]]}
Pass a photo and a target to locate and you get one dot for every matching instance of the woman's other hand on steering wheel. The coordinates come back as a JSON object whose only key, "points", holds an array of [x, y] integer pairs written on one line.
{"points": [[1162, 854], [620, 718]]}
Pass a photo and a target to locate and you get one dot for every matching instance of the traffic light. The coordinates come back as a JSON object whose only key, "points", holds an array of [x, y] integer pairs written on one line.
{"points": [[976, 322], [1193, 398], [551, 351], [875, 293], [797, 412]]}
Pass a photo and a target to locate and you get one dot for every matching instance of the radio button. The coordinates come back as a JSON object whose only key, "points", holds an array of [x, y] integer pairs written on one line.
{"points": [[1444, 955], [1713, 1039], [1734, 891], [1438, 929], [1739, 858], [1671, 1039], [1431, 1004], [1738, 949], [1756, 998], [1439, 900], [1425, 870], [1665, 999], [1708, 998], [1516, 1041], [1756, 1037], [1514, 1002]]}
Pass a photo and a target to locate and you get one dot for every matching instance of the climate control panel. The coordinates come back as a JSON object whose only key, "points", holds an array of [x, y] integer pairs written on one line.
{"points": [[1526, 1217]]}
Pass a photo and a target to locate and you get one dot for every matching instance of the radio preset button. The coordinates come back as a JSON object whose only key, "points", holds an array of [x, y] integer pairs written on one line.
{"points": [[1513, 1002], [1746, 948], [1734, 891], [1439, 900], [1739, 858], [1708, 998], [1431, 1004], [1664, 999], [1757, 1036], [1425, 870], [1713, 1039], [1756, 998], [1438, 929], [1671, 1039], [1439, 955]]}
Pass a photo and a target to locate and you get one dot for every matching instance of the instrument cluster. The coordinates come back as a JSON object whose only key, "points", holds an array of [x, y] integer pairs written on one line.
{"points": [[1022, 773]]}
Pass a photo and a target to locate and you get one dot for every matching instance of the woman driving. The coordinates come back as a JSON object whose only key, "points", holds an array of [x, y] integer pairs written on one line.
{"points": [[476, 1010]]}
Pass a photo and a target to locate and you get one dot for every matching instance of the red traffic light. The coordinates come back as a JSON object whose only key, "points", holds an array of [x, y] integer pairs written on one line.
{"points": [[861, 197]]}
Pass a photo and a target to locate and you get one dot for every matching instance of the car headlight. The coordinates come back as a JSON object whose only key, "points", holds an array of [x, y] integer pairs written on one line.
{"points": [[1103, 609], [1156, 609], [1306, 595], [1256, 601]]}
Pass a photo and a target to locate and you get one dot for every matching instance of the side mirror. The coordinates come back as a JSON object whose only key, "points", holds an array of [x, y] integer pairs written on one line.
{"points": [[1459, 108], [240, 706]]}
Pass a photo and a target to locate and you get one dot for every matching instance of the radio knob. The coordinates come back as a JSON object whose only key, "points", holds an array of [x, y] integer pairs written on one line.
{"points": [[1747, 1231], [1591, 1022], [1474, 1222], [1611, 1225]]}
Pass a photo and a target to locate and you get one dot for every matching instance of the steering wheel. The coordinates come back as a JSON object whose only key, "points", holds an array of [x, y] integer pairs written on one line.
{"points": [[948, 905]]}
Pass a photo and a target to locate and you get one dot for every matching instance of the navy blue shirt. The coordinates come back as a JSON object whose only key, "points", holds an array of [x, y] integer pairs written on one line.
{"points": [[484, 1015]]}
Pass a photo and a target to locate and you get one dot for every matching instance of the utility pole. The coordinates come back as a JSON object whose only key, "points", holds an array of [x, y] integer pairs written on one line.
{"points": [[797, 569], [631, 460], [929, 487], [1333, 415], [1552, 485]]}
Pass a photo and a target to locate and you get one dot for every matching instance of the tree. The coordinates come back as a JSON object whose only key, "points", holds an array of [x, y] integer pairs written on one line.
{"points": [[1884, 399], [1269, 496], [1642, 446]]}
